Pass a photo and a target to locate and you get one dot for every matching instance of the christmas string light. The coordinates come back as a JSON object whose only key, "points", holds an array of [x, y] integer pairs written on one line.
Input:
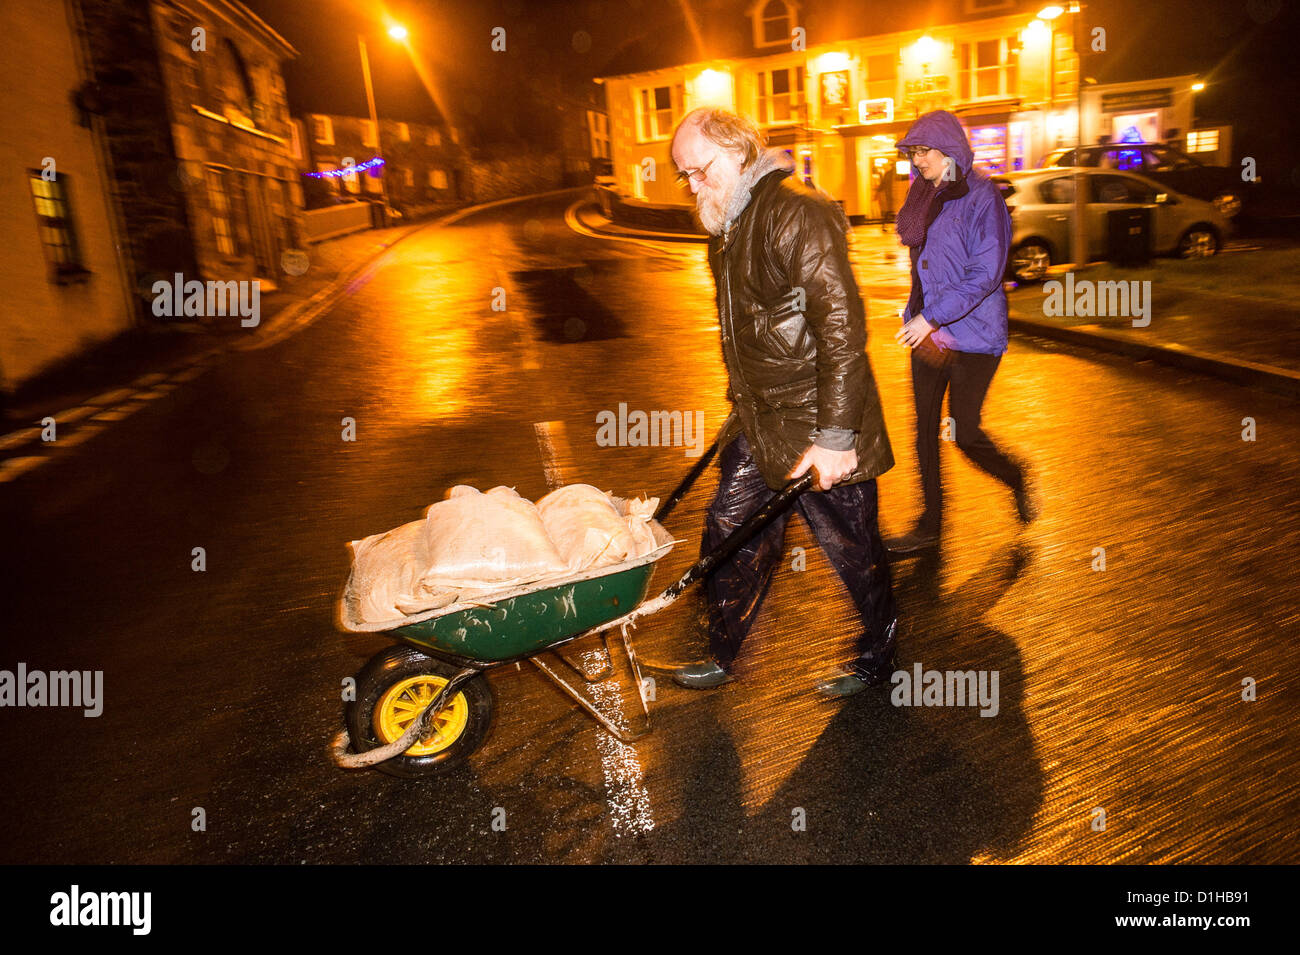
{"points": [[346, 170]]}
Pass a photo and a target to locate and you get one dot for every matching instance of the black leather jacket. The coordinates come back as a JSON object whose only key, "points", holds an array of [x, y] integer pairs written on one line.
{"points": [[794, 330]]}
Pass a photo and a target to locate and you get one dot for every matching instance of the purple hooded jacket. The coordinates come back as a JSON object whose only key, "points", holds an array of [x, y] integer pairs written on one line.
{"points": [[960, 265]]}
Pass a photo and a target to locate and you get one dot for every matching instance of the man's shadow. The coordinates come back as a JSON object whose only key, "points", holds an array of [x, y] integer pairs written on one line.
{"points": [[884, 783]]}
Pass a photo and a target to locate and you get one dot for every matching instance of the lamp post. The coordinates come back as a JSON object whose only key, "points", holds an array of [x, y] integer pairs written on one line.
{"points": [[397, 32], [1079, 231]]}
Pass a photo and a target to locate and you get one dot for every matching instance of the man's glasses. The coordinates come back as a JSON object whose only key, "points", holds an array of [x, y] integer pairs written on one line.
{"points": [[686, 175]]}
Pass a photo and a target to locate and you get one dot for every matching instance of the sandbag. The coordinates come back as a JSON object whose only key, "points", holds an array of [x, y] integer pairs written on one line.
{"points": [[590, 531], [476, 541], [387, 576]]}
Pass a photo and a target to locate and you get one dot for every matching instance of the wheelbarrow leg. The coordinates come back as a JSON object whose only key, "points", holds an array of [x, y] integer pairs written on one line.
{"points": [[603, 674], [592, 710]]}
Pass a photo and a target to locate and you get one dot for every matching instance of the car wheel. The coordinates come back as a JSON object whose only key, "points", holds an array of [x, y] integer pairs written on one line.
{"points": [[1199, 242], [1030, 260]]}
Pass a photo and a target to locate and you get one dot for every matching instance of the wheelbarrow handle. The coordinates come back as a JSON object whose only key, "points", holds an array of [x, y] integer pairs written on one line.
{"points": [[673, 499], [742, 535]]}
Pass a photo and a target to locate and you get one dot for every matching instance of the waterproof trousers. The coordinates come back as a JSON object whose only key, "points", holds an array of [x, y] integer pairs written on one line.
{"points": [[966, 377], [842, 519]]}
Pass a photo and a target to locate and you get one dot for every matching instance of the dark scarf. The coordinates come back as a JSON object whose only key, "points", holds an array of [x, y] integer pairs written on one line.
{"points": [[922, 207], [923, 204]]}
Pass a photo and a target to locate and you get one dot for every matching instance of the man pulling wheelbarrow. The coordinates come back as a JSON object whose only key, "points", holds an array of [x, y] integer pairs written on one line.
{"points": [[794, 333]]}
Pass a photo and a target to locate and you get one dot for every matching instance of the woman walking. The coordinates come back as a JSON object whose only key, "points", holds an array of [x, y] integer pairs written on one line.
{"points": [[956, 227]]}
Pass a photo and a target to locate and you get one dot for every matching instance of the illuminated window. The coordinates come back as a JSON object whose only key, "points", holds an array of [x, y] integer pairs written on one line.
{"points": [[322, 130], [433, 138], [779, 92], [882, 76], [368, 133], [54, 222], [1203, 141], [404, 132], [774, 23], [657, 111], [989, 68], [438, 178], [408, 177], [598, 124]]}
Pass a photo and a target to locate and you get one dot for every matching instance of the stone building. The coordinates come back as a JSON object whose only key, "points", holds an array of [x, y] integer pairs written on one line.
{"points": [[188, 98], [65, 285], [424, 165], [230, 134]]}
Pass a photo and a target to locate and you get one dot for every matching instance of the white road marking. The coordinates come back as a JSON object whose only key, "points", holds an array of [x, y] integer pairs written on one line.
{"points": [[629, 800]]}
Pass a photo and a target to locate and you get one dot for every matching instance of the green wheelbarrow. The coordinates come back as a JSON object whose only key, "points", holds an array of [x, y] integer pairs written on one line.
{"points": [[423, 707]]}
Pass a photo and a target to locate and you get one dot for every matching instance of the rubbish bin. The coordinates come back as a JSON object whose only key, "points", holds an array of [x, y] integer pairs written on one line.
{"points": [[1129, 236]]}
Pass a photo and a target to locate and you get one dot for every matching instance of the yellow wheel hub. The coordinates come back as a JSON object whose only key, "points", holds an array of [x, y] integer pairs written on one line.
{"points": [[406, 700]]}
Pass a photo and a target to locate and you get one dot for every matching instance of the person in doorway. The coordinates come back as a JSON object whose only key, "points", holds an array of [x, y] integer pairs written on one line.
{"points": [[957, 230], [885, 195]]}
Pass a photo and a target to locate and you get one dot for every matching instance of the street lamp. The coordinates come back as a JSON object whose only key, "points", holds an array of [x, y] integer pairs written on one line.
{"points": [[397, 32], [1078, 234]]}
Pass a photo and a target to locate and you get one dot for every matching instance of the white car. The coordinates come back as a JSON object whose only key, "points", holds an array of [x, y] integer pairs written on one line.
{"points": [[1041, 202]]}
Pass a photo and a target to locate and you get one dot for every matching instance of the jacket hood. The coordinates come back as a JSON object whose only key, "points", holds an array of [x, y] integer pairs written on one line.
{"points": [[768, 160], [940, 130]]}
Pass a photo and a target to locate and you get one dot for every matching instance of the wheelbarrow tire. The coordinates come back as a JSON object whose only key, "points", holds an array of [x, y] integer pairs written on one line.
{"points": [[402, 677]]}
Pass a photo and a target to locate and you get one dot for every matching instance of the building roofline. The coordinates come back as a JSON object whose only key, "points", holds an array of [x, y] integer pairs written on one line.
{"points": [[237, 12]]}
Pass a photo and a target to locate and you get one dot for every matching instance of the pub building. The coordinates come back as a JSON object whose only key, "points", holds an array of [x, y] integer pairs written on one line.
{"points": [[1008, 70]]}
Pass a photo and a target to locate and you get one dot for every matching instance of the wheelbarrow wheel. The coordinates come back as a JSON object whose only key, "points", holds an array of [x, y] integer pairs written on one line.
{"points": [[394, 688]]}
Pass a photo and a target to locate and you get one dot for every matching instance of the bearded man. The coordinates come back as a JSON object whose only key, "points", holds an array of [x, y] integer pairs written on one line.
{"points": [[794, 342]]}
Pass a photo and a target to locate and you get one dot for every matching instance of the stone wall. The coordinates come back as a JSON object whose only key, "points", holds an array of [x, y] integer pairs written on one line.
{"points": [[519, 175], [128, 95]]}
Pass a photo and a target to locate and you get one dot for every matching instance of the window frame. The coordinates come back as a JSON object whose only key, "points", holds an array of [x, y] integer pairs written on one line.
{"points": [[220, 212], [758, 21], [676, 103], [969, 71], [764, 99], [328, 128], [64, 258]]}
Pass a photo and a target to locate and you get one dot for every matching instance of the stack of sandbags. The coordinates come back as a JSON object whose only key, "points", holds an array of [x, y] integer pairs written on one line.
{"points": [[588, 529], [473, 545]]}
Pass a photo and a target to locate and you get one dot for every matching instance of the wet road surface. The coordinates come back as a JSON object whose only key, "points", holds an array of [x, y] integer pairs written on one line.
{"points": [[1120, 690]]}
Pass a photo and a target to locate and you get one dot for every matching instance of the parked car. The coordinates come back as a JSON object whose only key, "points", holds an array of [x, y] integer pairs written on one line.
{"points": [[1165, 164], [1041, 202]]}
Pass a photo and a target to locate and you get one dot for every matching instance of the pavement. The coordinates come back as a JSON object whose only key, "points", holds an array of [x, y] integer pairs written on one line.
{"points": [[156, 352], [1208, 316]]}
